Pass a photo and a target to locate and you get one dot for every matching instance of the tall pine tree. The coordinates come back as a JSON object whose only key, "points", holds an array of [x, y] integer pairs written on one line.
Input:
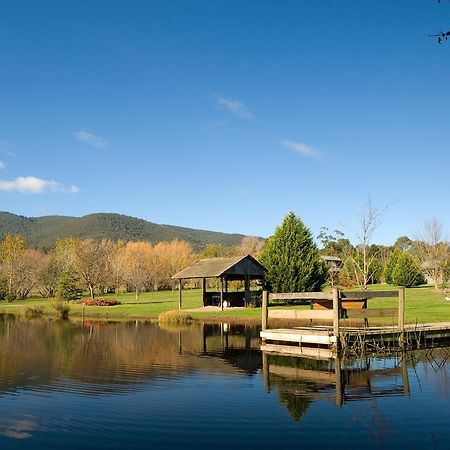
{"points": [[292, 259]]}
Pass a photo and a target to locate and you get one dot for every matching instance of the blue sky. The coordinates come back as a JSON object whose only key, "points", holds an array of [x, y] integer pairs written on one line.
{"points": [[225, 115]]}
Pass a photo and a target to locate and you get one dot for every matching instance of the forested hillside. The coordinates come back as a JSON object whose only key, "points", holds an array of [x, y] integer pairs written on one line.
{"points": [[42, 232]]}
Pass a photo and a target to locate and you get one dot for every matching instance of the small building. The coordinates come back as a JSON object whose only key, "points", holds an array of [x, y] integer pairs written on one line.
{"points": [[333, 262], [241, 268]]}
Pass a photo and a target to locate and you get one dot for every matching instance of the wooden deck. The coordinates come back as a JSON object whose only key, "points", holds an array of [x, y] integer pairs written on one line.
{"points": [[323, 335], [339, 334]]}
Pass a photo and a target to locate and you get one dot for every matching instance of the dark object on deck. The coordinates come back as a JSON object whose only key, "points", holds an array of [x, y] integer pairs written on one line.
{"points": [[242, 268]]}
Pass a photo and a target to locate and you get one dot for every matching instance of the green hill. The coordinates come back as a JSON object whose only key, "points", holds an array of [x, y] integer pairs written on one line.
{"points": [[42, 232]]}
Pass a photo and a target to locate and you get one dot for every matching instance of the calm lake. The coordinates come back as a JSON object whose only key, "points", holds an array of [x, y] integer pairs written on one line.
{"points": [[135, 385]]}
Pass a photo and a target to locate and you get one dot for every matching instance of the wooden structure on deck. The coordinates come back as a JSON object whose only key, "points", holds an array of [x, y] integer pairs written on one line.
{"points": [[241, 268], [338, 307]]}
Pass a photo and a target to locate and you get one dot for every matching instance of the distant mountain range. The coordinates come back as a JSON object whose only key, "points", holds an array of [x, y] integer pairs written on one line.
{"points": [[42, 232]]}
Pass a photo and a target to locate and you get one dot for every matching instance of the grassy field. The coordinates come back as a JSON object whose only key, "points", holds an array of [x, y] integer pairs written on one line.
{"points": [[423, 304]]}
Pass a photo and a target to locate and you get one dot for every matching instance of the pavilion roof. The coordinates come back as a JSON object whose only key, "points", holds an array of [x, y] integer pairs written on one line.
{"points": [[235, 267]]}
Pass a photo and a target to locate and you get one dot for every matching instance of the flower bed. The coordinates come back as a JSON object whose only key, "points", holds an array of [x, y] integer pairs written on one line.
{"points": [[101, 302]]}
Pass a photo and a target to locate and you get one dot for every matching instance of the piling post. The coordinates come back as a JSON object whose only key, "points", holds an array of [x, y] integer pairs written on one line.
{"points": [[401, 315], [265, 303], [336, 314]]}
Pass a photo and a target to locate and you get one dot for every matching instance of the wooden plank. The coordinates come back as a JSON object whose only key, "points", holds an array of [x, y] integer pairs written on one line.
{"points": [[301, 296], [287, 336], [293, 373], [323, 354], [369, 294], [367, 313], [311, 314]]}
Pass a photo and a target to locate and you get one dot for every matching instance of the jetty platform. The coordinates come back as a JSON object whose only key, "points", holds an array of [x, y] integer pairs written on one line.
{"points": [[339, 308]]}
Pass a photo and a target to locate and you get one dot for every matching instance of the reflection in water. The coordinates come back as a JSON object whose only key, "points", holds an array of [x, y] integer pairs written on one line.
{"points": [[206, 384]]}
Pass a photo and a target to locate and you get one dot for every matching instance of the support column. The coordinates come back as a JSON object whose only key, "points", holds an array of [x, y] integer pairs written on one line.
{"points": [[265, 303], [336, 315], [247, 290], [180, 295], [221, 294], [203, 290]]}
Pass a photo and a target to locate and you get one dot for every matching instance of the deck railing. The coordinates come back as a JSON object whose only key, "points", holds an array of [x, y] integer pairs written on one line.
{"points": [[331, 306]]}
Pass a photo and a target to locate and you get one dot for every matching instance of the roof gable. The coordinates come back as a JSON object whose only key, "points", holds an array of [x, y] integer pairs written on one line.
{"points": [[218, 267]]}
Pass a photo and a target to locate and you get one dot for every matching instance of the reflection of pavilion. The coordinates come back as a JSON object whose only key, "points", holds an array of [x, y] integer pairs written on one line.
{"points": [[324, 376], [237, 345]]}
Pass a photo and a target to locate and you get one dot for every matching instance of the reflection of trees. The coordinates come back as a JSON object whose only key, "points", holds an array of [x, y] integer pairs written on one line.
{"points": [[295, 404], [106, 357]]}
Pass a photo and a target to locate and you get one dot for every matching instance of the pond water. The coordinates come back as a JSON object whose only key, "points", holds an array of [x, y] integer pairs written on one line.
{"points": [[136, 385]]}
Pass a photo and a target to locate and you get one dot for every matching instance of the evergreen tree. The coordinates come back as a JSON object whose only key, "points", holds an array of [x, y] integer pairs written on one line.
{"points": [[406, 271], [292, 259], [68, 286], [390, 265]]}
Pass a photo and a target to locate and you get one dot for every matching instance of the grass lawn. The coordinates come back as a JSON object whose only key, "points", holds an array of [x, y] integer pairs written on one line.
{"points": [[423, 304]]}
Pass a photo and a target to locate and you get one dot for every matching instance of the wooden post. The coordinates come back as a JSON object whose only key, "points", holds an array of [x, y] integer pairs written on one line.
{"points": [[246, 290], [338, 373], [180, 298], [336, 315], [401, 309], [401, 316], [266, 372], [405, 379], [221, 294], [265, 304], [203, 290]]}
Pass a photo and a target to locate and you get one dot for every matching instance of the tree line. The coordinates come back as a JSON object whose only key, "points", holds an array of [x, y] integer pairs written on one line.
{"points": [[77, 265]]}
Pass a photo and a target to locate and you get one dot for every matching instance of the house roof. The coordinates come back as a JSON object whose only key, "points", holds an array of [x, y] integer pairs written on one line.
{"points": [[237, 267]]}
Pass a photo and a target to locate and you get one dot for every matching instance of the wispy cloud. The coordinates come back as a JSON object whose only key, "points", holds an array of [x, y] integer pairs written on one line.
{"points": [[5, 148], [91, 139], [305, 150], [34, 185], [2, 165], [234, 106]]}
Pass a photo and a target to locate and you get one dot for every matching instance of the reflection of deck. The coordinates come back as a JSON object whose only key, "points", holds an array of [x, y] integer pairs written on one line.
{"points": [[316, 373]]}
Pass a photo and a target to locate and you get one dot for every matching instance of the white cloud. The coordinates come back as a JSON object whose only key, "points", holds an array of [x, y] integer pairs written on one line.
{"points": [[34, 185], [91, 139], [2, 165], [234, 106], [73, 190], [303, 149]]}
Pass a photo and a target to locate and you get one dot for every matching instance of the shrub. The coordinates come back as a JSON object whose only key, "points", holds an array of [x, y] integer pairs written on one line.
{"points": [[175, 318], [61, 309], [101, 302], [33, 312], [10, 297]]}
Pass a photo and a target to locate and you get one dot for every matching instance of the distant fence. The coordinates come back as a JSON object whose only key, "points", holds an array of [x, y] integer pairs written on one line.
{"points": [[334, 306]]}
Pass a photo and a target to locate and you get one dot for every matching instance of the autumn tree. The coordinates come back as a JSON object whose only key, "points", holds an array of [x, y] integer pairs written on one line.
{"points": [[91, 263], [12, 248], [169, 258], [251, 245], [138, 257], [48, 275], [26, 276], [117, 264], [432, 250]]}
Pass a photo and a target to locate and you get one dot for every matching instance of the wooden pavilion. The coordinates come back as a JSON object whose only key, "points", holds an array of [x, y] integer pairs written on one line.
{"points": [[242, 268]]}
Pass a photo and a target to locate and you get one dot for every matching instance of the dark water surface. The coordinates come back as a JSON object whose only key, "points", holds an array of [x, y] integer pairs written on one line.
{"points": [[136, 385]]}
